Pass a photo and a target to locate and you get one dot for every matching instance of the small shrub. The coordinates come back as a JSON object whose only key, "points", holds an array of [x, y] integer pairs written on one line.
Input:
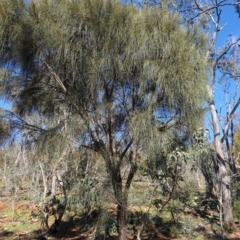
{"points": [[106, 225], [236, 209]]}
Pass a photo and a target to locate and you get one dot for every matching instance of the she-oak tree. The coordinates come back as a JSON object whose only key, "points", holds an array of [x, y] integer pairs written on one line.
{"points": [[117, 76]]}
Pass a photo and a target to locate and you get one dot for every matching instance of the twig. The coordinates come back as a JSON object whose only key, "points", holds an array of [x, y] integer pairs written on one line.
{"points": [[56, 77]]}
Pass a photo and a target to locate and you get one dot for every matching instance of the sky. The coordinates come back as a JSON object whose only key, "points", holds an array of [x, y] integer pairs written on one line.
{"points": [[231, 23]]}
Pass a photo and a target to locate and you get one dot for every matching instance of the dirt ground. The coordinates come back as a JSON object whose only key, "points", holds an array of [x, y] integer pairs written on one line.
{"points": [[16, 223]]}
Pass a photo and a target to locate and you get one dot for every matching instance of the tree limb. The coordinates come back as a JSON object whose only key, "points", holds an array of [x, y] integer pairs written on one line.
{"points": [[230, 119], [225, 51], [125, 150], [56, 77]]}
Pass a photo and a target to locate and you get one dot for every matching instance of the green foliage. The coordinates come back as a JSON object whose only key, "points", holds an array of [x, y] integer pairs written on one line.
{"points": [[117, 43], [176, 208], [83, 196], [236, 209], [201, 136], [187, 198], [237, 144], [106, 225], [203, 158], [201, 150], [178, 155]]}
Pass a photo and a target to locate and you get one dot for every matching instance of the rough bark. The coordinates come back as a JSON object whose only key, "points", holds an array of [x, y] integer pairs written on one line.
{"points": [[121, 204], [121, 220], [225, 182], [121, 196]]}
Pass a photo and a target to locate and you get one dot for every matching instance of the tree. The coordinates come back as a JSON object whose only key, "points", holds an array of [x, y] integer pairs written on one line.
{"points": [[224, 73], [224, 70], [117, 78]]}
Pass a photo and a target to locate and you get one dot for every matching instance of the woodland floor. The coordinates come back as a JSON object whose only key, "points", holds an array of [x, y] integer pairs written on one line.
{"points": [[191, 224], [198, 223]]}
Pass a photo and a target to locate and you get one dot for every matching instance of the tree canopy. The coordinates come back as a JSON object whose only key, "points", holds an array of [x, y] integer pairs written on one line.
{"points": [[101, 58]]}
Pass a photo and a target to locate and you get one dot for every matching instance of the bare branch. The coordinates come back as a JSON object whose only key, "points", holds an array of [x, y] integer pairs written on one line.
{"points": [[225, 51], [126, 149], [229, 120], [220, 4], [23, 124], [56, 77]]}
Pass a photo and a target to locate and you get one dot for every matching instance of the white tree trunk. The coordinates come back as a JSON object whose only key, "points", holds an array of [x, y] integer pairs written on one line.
{"points": [[44, 180], [222, 173]]}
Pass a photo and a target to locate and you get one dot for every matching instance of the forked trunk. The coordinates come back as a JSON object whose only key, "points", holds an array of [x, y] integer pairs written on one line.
{"points": [[121, 192]]}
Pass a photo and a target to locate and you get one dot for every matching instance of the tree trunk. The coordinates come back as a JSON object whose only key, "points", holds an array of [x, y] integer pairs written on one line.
{"points": [[121, 204], [113, 166], [222, 173], [55, 173], [121, 196], [121, 221], [53, 188], [225, 182], [44, 180]]}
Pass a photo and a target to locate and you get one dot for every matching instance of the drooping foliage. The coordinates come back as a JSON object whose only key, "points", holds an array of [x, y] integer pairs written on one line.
{"points": [[102, 59]]}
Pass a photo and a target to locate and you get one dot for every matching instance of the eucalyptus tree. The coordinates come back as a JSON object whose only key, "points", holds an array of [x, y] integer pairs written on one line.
{"points": [[223, 78], [223, 73], [118, 78]]}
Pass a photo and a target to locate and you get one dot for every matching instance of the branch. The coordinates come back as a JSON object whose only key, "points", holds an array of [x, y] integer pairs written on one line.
{"points": [[229, 74], [89, 147], [225, 51], [56, 77], [125, 150], [132, 170], [23, 124], [220, 4], [229, 120], [206, 10]]}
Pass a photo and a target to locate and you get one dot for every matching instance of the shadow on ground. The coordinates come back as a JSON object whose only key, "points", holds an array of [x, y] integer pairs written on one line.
{"points": [[99, 225]]}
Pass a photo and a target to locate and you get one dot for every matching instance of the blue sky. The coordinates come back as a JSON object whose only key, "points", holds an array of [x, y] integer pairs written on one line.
{"points": [[231, 23]]}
